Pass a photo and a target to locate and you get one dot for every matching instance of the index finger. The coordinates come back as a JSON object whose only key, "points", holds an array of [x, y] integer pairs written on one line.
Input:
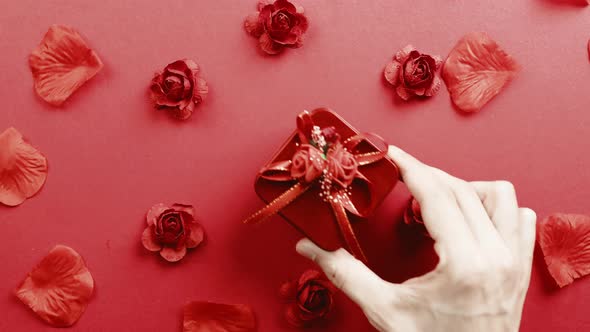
{"points": [[441, 213]]}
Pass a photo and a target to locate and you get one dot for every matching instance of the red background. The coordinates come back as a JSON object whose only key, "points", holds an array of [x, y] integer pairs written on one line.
{"points": [[111, 156]]}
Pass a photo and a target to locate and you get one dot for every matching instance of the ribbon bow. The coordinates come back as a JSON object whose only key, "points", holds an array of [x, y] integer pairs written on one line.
{"points": [[323, 159]]}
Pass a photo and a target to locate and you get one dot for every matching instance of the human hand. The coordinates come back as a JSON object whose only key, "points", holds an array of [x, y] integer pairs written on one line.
{"points": [[485, 246]]}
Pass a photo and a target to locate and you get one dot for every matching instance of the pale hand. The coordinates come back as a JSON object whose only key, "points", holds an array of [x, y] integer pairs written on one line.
{"points": [[485, 246]]}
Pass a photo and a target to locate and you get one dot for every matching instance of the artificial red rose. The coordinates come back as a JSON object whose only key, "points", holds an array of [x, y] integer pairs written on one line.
{"points": [[413, 215], [330, 135], [342, 165], [310, 299], [307, 163], [171, 230], [413, 73], [277, 25], [179, 88]]}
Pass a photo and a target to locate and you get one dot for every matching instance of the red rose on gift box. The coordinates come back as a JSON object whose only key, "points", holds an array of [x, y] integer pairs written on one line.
{"points": [[342, 165], [413, 73], [179, 88], [307, 163], [171, 230], [310, 299], [277, 25]]}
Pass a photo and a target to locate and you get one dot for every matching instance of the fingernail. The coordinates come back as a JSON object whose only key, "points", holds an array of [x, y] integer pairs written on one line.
{"points": [[305, 248]]}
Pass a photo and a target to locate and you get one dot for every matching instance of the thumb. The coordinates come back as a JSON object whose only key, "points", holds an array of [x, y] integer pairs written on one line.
{"points": [[349, 274]]}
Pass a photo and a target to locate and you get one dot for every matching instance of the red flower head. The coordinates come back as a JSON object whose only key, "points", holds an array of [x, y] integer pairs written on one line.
{"points": [[413, 215], [342, 165], [277, 25], [310, 299], [307, 163], [179, 88], [413, 73], [171, 230]]}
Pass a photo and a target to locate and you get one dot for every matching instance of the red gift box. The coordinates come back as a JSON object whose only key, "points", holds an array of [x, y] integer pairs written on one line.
{"points": [[326, 178]]}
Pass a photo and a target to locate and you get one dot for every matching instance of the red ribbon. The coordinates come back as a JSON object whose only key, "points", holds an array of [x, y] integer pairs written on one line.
{"points": [[339, 199]]}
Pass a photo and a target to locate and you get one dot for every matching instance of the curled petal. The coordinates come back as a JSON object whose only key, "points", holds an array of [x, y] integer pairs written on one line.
{"points": [[565, 241], [285, 4], [216, 317], [196, 236], [189, 209], [403, 93], [288, 291], [269, 46], [292, 315], [148, 239], [201, 91], [434, 87], [391, 72], [253, 25], [173, 254], [154, 212], [23, 169], [404, 53], [476, 70], [61, 64], [59, 287]]}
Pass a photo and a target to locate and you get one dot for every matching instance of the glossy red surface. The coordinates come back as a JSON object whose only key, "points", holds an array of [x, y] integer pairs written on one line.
{"points": [[111, 156]]}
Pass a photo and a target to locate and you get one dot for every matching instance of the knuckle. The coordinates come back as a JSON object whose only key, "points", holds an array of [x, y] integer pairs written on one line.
{"points": [[528, 215], [504, 188]]}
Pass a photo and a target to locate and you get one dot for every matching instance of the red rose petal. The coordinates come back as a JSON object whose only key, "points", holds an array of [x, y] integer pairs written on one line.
{"points": [[292, 315], [476, 71], [565, 241], [216, 317], [23, 169], [59, 287], [148, 239], [269, 46], [61, 64], [196, 236], [154, 212], [253, 25], [173, 254]]}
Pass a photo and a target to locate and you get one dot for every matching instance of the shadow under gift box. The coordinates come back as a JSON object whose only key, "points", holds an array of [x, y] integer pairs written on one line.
{"points": [[309, 213]]}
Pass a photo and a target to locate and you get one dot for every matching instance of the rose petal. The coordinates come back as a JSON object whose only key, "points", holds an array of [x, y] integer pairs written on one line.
{"points": [[215, 317], [184, 208], [201, 91], [148, 239], [292, 316], [253, 25], [61, 64], [288, 290], [391, 72], [434, 87], [284, 4], [154, 212], [173, 254], [565, 242], [196, 235], [183, 112], [269, 46], [403, 92], [476, 71], [59, 287], [404, 53], [23, 169]]}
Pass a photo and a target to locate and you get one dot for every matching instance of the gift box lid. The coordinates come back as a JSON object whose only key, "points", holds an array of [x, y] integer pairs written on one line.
{"points": [[309, 213]]}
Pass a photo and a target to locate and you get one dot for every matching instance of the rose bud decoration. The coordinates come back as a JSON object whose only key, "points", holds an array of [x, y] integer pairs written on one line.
{"points": [[310, 299], [342, 165], [307, 164], [277, 25], [179, 88], [413, 73], [171, 230]]}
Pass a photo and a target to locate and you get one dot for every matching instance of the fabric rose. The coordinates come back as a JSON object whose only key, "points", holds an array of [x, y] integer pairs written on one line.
{"points": [[277, 25], [310, 299], [413, 73], [179, 88], [413, 215], [171, 230], [342, 165], [307, 163]]}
